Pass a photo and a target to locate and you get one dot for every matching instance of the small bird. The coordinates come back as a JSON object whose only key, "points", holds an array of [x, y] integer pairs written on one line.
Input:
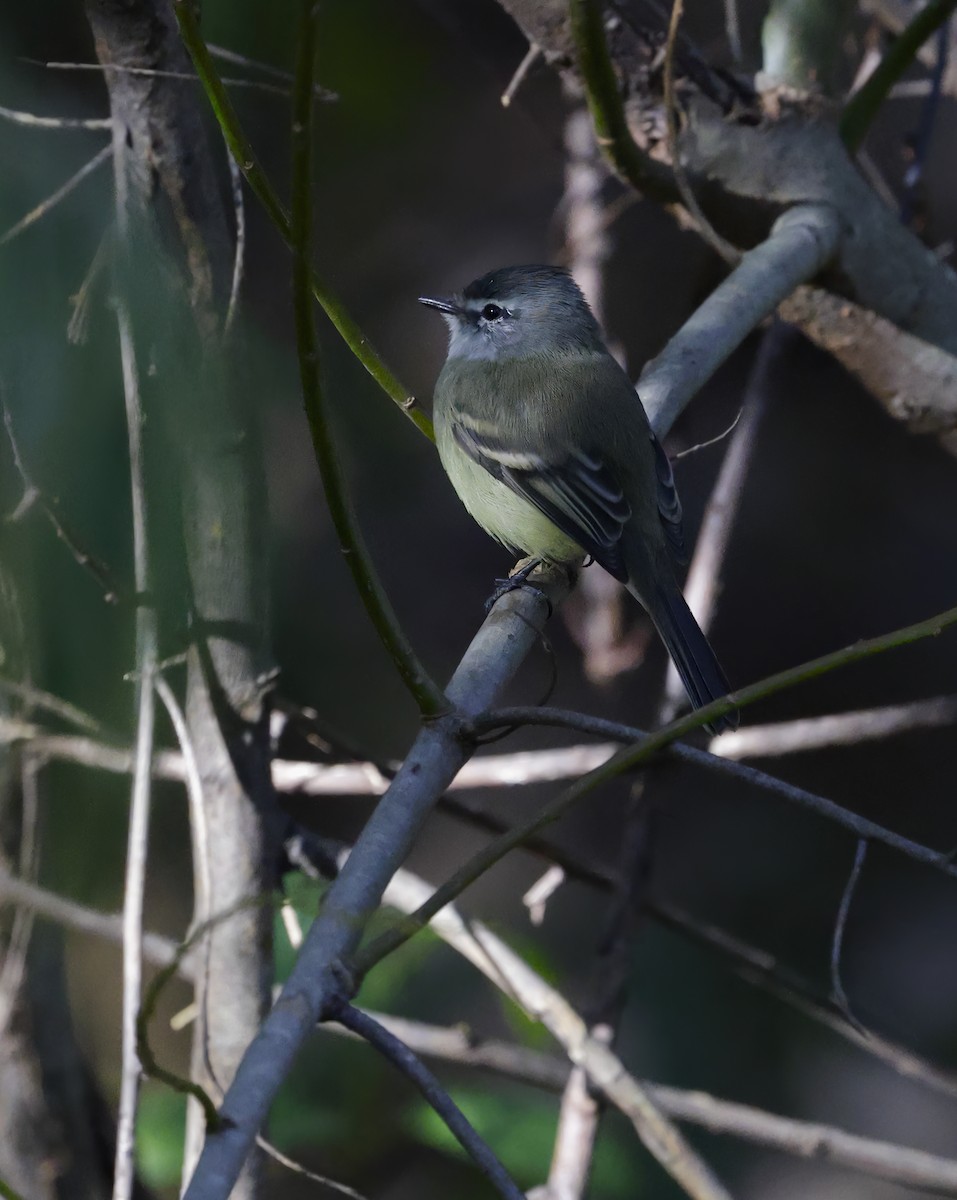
{"points": [[549, 448]]}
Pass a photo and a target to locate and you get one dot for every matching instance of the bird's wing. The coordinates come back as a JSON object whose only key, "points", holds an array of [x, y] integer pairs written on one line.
{"points": [[573, 488], [669, 506]]}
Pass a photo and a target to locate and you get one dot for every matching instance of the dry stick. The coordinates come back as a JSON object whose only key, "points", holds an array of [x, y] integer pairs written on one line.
{"points": [[528, 61], [544, 1004], [159, 950], [837, 943], [436, 1096], [37, 698], [522, 767], [54, 198], [834, 729], [37, 122], [702, 585], [32, 494], [146, 659]]}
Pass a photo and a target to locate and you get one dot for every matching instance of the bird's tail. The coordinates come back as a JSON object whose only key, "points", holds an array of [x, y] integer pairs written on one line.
{"points": [[691, 652]]}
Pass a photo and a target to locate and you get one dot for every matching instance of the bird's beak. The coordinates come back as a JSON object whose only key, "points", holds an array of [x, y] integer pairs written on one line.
{"points": [[443, 305]]}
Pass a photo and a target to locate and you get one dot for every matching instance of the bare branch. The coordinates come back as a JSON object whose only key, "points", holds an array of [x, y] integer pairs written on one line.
{"points": [[36, 122], [914, 380], [33, 494], [436, 1096], [158, 950], [61, 193], [835, 729]]}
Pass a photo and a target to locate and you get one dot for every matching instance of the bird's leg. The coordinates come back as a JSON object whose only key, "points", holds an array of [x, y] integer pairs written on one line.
{"points": [[517, 578]]}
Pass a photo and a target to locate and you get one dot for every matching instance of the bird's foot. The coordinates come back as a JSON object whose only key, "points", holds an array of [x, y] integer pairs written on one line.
{"points": [[518, 578]]}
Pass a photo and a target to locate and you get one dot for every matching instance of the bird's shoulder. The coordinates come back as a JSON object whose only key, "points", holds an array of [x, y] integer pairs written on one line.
{"points": [[545, 395]]}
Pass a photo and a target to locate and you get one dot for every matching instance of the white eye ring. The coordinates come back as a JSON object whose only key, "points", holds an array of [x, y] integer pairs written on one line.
{"points": [[492, 312]]}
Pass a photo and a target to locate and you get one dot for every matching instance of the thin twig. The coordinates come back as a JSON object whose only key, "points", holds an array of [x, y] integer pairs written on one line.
{"points": [[435, 1095], [761, 969], [36, 122], [255, 64], [54, 198], [720, 245], [239, 256], [837, 942], [297, 1168], [426, 693], [258, 181], [528, 61], [256, 85], [37, 698], [725, 433], [32, 494], [158, 950]]}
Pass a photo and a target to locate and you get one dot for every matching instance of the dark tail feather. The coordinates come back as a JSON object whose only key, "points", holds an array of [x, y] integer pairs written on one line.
{"points": [[691, 652]]}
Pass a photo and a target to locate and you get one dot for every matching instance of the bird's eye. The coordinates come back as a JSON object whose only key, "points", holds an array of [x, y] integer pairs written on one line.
{"points": [[492, 312]]}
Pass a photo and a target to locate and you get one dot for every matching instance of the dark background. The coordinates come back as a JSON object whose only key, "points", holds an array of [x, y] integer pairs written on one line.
{"points": [[846, 530]]}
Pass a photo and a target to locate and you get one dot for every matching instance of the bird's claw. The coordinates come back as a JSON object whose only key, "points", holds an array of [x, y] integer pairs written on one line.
{"points": [[518, 579]]}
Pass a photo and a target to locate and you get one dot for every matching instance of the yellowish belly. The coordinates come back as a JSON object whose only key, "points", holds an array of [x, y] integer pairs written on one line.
{"points": [[502, 513]]}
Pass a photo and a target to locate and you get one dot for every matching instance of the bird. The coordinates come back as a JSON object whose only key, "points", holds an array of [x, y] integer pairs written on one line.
{"points": [[548, 446]]}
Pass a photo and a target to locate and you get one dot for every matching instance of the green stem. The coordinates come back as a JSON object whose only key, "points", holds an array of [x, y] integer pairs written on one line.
{"points": [[429, 697], [626, 760], [862, 107], [245, 157], [604, 100]]}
